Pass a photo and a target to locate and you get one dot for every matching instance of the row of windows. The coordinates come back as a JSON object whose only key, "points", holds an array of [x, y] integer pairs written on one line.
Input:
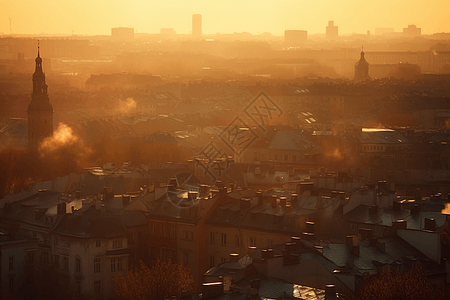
{"points": [[116, 264], [167, 230], [237, 240], [276, 157]]}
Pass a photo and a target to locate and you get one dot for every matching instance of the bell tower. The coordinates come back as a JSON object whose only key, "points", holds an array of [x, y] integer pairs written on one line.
{"points": [[40, 111], [362, 69]]}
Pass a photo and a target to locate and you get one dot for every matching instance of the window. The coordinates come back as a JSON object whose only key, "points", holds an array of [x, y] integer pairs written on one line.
{"points": [[152, 228], [211, 261], [165, 230], [173, 232], [65, 262], [252, 242], [56, 260], [11, 284], [119, 264], [98, 243], [113, 264], [47, 239], [117, 244], [97, 265], [237, 241], [185, 258], [212, 237], [11, 263], [224, 239], [275, 157], [78, 287], [97, 286], [286, 157], [78, 264]]}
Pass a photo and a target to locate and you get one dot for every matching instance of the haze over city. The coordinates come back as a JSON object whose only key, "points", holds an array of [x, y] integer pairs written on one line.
{"points": [[97, 17], [224, 150]]}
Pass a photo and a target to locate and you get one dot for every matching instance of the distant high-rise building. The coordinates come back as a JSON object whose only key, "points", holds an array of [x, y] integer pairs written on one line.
{"points": [[40, 111], [362, 69], [331, 31], [295, 37], [122, 33], [412, 31], [197, 25]]}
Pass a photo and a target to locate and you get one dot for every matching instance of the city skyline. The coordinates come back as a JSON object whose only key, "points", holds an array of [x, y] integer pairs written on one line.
{"points": [[98, 17]]}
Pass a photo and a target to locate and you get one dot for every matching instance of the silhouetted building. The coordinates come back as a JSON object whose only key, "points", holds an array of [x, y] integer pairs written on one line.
{"points": [[412, 31], [197, 25], [40, 110], [122, 33], [167, 31], [362, 69], [331, 31], [295, 37]]}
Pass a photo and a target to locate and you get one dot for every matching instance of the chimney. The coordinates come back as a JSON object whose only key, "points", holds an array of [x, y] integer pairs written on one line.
{"points": [[283, 201], [273, 201], [288, 208], [259, 194], [251, 250], [381, 246], [267, 253], [254, 289], [415, 209], [244, 203], [430, 224], [295, 239], [126, 200], [304, 187], [103, 208], [192, 196], [365, 233], [309, 227], [293, 198], [330, 291], [234, 257], [39, 213], [212, 289], [373, 210]]}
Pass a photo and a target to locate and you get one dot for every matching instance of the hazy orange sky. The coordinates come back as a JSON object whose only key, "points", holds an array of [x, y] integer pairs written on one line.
{"points": [[225, 16]]}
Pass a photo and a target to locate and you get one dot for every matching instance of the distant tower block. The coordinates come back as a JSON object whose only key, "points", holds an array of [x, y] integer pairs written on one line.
{"points": [[40, 111], [295, 37], [331, 31], [412, 31], [197, 25], [362, 69]]}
